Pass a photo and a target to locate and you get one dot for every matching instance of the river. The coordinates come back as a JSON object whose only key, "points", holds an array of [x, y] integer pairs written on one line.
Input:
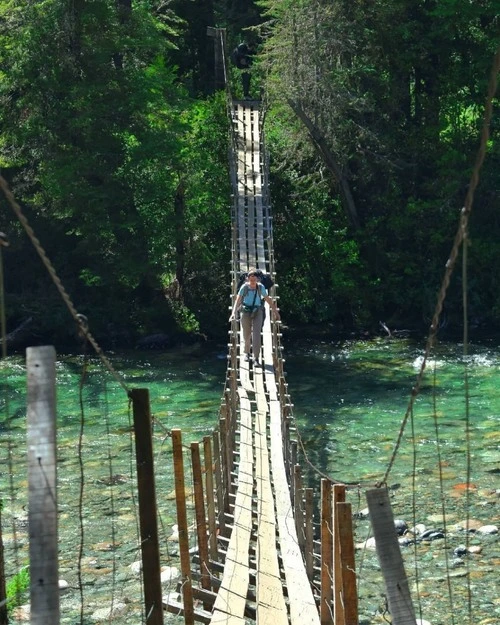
{"points": [[349, 398]]}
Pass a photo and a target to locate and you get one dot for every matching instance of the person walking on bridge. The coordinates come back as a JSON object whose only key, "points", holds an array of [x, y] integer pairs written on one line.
{"points": [[250, 299], [242, 57]]}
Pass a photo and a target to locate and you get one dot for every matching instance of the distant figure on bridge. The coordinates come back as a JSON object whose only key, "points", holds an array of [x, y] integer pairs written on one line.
{"points": [[242, 57], [250, 299]]}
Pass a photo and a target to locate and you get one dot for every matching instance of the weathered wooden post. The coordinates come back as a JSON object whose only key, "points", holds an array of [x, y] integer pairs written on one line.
{"points": [[180, 498], [42, 475], [219, 37], [325, 608], [309, 530], [4, 619], [148, 521], [298, 498], [389, 555], [220, 490], [209, 489], [349, 593], [201, 522], [3, 590], [338, 599]]}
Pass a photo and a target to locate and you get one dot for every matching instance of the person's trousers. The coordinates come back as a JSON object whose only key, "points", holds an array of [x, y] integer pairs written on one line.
{"points": [[251, 324], [245, 79]]}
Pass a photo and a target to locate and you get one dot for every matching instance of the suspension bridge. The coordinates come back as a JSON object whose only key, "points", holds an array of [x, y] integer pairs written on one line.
{"points": [[258, 559]]}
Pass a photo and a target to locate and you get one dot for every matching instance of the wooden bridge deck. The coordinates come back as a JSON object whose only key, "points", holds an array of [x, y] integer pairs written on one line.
{"points": [[263, 557]]}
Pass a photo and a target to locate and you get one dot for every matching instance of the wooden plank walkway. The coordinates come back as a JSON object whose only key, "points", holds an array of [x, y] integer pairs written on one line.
{"points": [[263, 558]]}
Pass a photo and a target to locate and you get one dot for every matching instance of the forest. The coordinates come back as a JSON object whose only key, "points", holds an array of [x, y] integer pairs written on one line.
{"points": [[114, 141]]}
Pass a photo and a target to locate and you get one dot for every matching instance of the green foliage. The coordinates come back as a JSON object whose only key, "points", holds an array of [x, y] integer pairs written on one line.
{"points": [[17, 588], [399, 109], [119, 157]]}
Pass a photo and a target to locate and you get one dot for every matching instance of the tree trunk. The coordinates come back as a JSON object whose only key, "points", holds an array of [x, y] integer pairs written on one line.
{"points": [[330, 161], [180, 242], [124, 8]]}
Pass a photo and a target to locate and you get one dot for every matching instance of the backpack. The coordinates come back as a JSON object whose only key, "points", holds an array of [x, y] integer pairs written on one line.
{"points": [[264, 278]]}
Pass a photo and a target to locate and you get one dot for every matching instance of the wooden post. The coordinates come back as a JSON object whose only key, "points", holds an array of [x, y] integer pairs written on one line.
{"points": [[338, 600], [180, 499], [350, 594], [148, 519], [230, 396], [299, 507], [225, 466], [219, 484], [291, 468], [389, 555], [219, 37], [4, 619], [209, 488], [325, 608], [42, 480], [201, 523], [309, 533]]}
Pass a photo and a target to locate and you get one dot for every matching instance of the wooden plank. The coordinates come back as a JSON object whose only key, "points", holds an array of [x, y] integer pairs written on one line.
{"points": [[172, 605], [271, 606], [229, 606], [42, 480], [389, 555], [303, 609]]}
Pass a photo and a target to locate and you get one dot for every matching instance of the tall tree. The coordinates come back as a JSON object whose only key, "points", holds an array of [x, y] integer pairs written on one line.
{"points": [[90, 123]]}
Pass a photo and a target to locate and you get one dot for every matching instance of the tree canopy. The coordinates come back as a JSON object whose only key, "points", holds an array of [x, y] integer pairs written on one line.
{"points": [[114, 141]]}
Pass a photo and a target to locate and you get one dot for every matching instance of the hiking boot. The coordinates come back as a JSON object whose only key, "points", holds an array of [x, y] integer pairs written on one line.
{"points": [[256, 363], [248, 358]]}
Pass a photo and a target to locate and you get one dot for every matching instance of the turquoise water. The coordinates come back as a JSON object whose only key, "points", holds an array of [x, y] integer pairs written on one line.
{"points": [[349, 401]]}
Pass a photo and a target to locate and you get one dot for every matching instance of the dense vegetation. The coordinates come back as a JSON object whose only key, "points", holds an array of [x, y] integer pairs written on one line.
{"points": [[114, 141]]}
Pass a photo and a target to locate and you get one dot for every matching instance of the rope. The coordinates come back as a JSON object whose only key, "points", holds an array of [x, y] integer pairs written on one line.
{"points": [[80, 320], [459, 238]]}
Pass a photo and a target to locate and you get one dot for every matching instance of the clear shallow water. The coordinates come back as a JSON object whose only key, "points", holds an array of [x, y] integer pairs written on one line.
{"points": [[349, 401]]}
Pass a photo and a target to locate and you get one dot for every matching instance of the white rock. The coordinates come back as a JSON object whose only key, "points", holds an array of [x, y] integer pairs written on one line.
{"points": [[63, 585], [136, 567], [367, 544], [488, 529], [420, 621], [418, 529], [169, 573], [174, 537]]}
